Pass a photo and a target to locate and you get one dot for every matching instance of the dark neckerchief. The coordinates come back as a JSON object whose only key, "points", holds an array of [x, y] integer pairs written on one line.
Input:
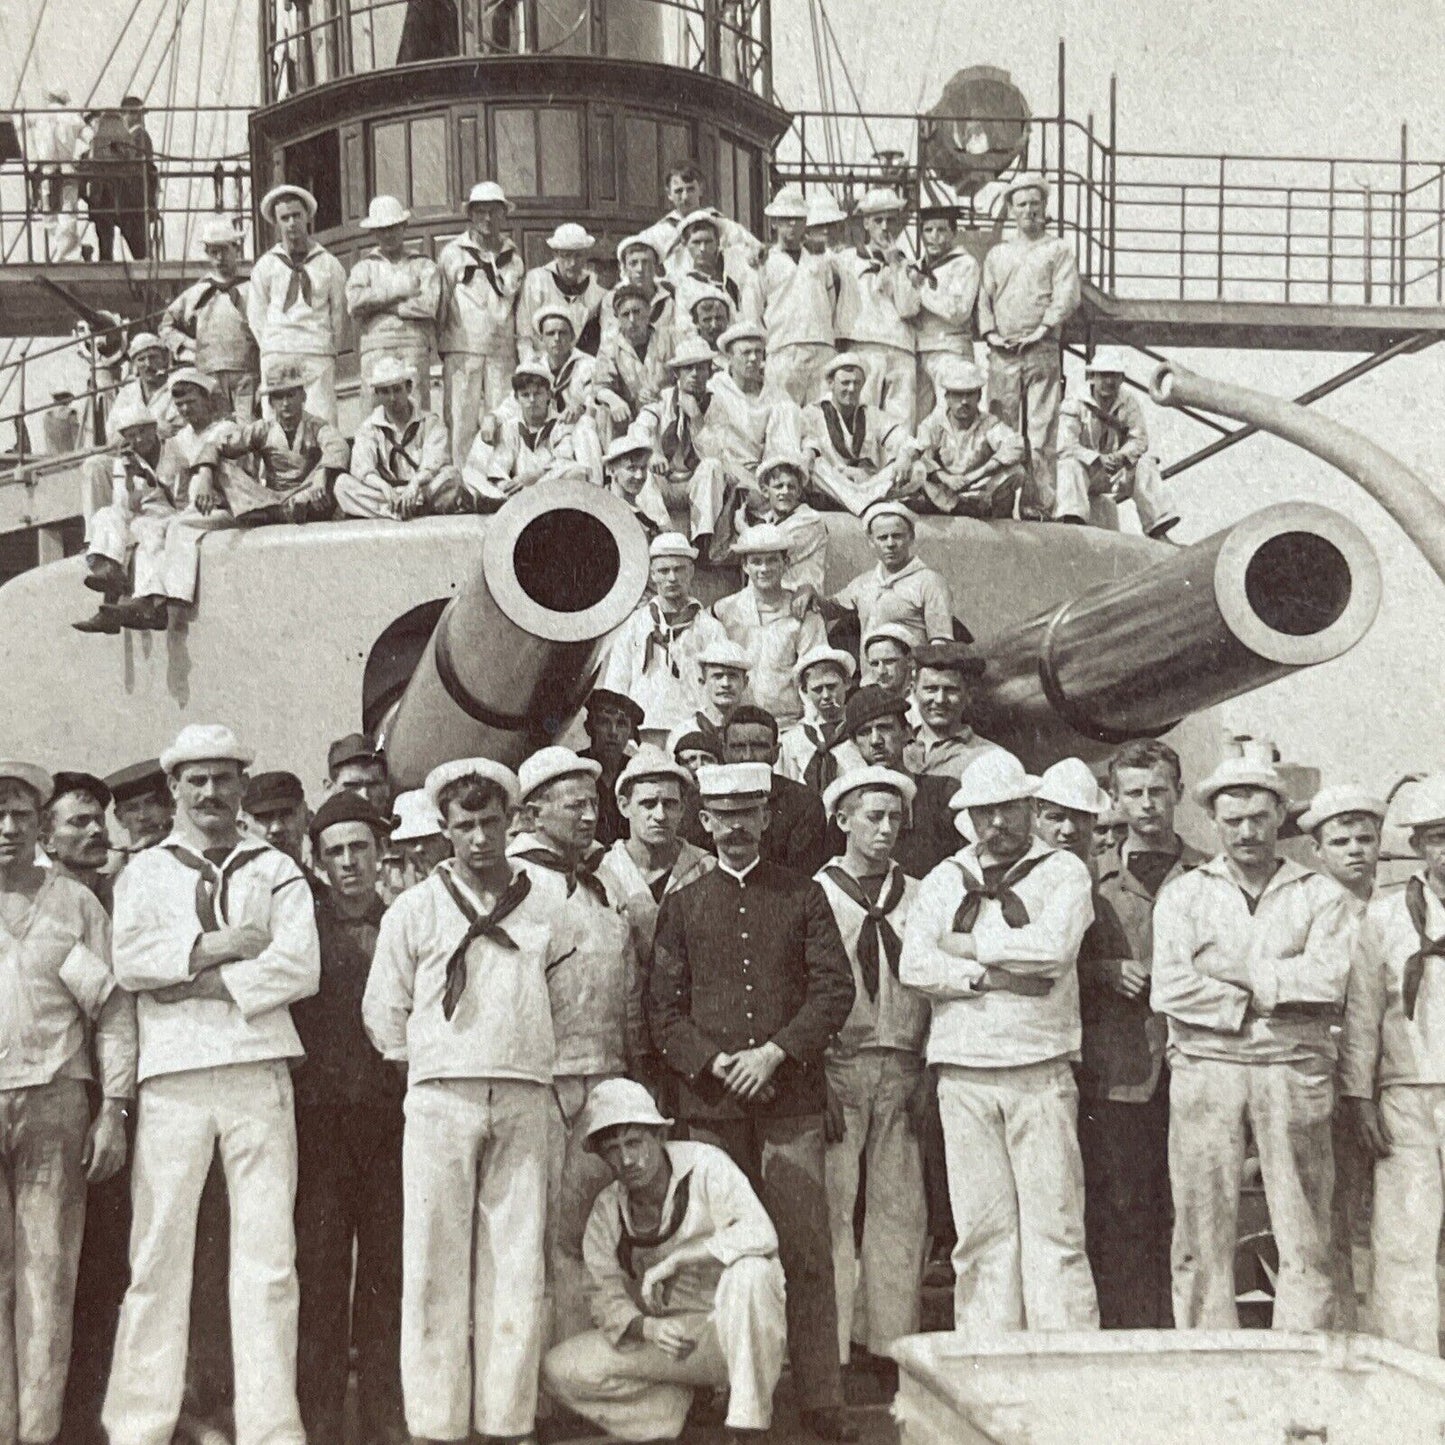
{"points": [[1414, 972], [584, 871], [848, 444], [490, 268], [210, 288], [822, 767], [999, 886], [1150, 867], [877, 930], [479, 925], [571, 289], [629, 1243], [214, 879], [298, 288], [665, 631]]}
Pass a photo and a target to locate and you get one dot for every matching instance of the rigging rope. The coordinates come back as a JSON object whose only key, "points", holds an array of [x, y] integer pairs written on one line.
{"points": [[29, 51], [144, 50], [195, 135], [115, 45]]}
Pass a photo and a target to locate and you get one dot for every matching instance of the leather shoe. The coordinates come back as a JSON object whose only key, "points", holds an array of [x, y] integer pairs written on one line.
{"points": [[105, 621], [144, 614], [828, 1423]]}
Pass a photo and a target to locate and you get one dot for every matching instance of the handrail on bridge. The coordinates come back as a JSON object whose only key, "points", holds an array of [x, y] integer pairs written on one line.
{"points": [[729, 39]]}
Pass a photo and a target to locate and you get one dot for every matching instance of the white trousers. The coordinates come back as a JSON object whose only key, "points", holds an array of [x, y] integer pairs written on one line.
{"points": [[892, 380], [1405, 1228], [167, 547], [1032, 382], [320, 374], [1287, 1108], [636, 1392], [698, 503], [874, 1087], [796, 371], [852, 488], [1142, 482], [246, 1110], [575, 1177], [474, 1182], [1016, 1185], [472, 386]]}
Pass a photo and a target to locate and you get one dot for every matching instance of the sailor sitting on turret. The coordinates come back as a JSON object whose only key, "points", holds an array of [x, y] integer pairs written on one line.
{"points": [[859, 451], [639, 265], [703, 265], [628, 479], [532, 445], [631, 370], [709, 315], [967, 462], [782, 482], [401, 460]]}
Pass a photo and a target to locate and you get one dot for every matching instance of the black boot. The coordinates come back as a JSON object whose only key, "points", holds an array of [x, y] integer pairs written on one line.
{"points": [[106, 620]]}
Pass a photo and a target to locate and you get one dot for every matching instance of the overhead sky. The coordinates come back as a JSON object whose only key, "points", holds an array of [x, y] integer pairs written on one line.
{"points": [[1321, 77]]}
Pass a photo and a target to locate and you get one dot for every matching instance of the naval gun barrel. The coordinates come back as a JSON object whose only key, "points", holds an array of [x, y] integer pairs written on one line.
{"points": [[515, 652], [1290, 586]]}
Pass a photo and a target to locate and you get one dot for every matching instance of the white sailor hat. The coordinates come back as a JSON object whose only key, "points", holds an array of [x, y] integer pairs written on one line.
{"points": [[765, 537], [531, 370], [569, 236], [194, 376], [217, 231], [383, 213], [627, 445], [1336, 801], [416, 817], [868, 777], [445, 774], [283, 375], [283, 193], [710, 293], [888, 509], [671, 544], [788, 204], [777, 461], [724, 653], [1109, 359], [1026, 181], [741, 331], [732, 787], [552, 312], [649, 761], [486, 193], [691, 351], [823, 210], [846, 361], [1241, 772], [894, 632], [881, 201], [35, 778], [992, 778], [390, 371], [615, 1102], [144, 341], [1069, 783], [956, 374], [704, 216], [546, 765], [1424, 804], [639, 242], [821, 656], [205, 743]]}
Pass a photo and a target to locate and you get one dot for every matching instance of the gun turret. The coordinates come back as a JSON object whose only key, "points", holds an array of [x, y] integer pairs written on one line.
{"points": [[1288, 587], [515, 652]]}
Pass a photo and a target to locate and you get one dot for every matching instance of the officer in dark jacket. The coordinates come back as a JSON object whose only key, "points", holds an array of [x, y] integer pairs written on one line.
{"points": [[797, 831], [750, 982], [348, 1137]]}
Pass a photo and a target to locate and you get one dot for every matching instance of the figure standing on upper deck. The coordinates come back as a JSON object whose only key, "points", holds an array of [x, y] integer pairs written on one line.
{"points": [[877, 294], [206, 324], [1030, 289], [298, 298], [1104, 456], [481, 275], [393, 295], [684, 189], [945, 290]]}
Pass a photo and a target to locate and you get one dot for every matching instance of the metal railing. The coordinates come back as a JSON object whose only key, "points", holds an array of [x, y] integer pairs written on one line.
{"points": [[82, 186], [310, 42], [1181, 225]]}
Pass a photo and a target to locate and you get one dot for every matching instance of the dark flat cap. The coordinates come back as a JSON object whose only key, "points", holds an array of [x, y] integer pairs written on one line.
{"points": [[273, 790], [605, 697], [135, 779], [869, 704], [956, 657], [344, 807], [353, 748], [84, 783], [697, 743]]}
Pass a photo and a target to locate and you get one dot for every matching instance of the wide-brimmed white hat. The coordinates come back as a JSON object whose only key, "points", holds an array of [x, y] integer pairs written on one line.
{"points": [[710, 293], [144, 341], [650, 761], [818, 656], [1338, 800], [217, 231], [1110, 359], [868, 777], [704, 216], [1026, 181], [614, 1102], [1425, 803], [881, 201], [741, 331], [552, 312], [286, 192], [569, 236], [789, 204], [770, 464], [671, 544], [626, 445], [845, 361], [893, 632], [416, 817], [384, 212], [35, 778], [489, 193], [1070, 783], [724, 653], [447, 773], [876, 510], [765, 537], [1244, 772], [194, 376], [992, 778], [956, 374], [390, 371], [823, 210], [691, 351], [205, 743], [640, 242], [546, 765]]}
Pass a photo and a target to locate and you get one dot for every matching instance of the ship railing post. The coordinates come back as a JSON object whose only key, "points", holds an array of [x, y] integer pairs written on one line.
{"points": [[1288, 235], [1330, 237], [1183, 235], [1219, 236], [1404, 207]]}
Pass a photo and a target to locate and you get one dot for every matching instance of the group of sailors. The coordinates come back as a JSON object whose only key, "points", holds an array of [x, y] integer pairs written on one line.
{"points": [[645, 1068], [715, 377]]}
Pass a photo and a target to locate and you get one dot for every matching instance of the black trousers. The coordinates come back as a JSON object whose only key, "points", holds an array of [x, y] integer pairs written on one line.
{"points": [[348, 1197], [1128, 1214], [783, 1159]]}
